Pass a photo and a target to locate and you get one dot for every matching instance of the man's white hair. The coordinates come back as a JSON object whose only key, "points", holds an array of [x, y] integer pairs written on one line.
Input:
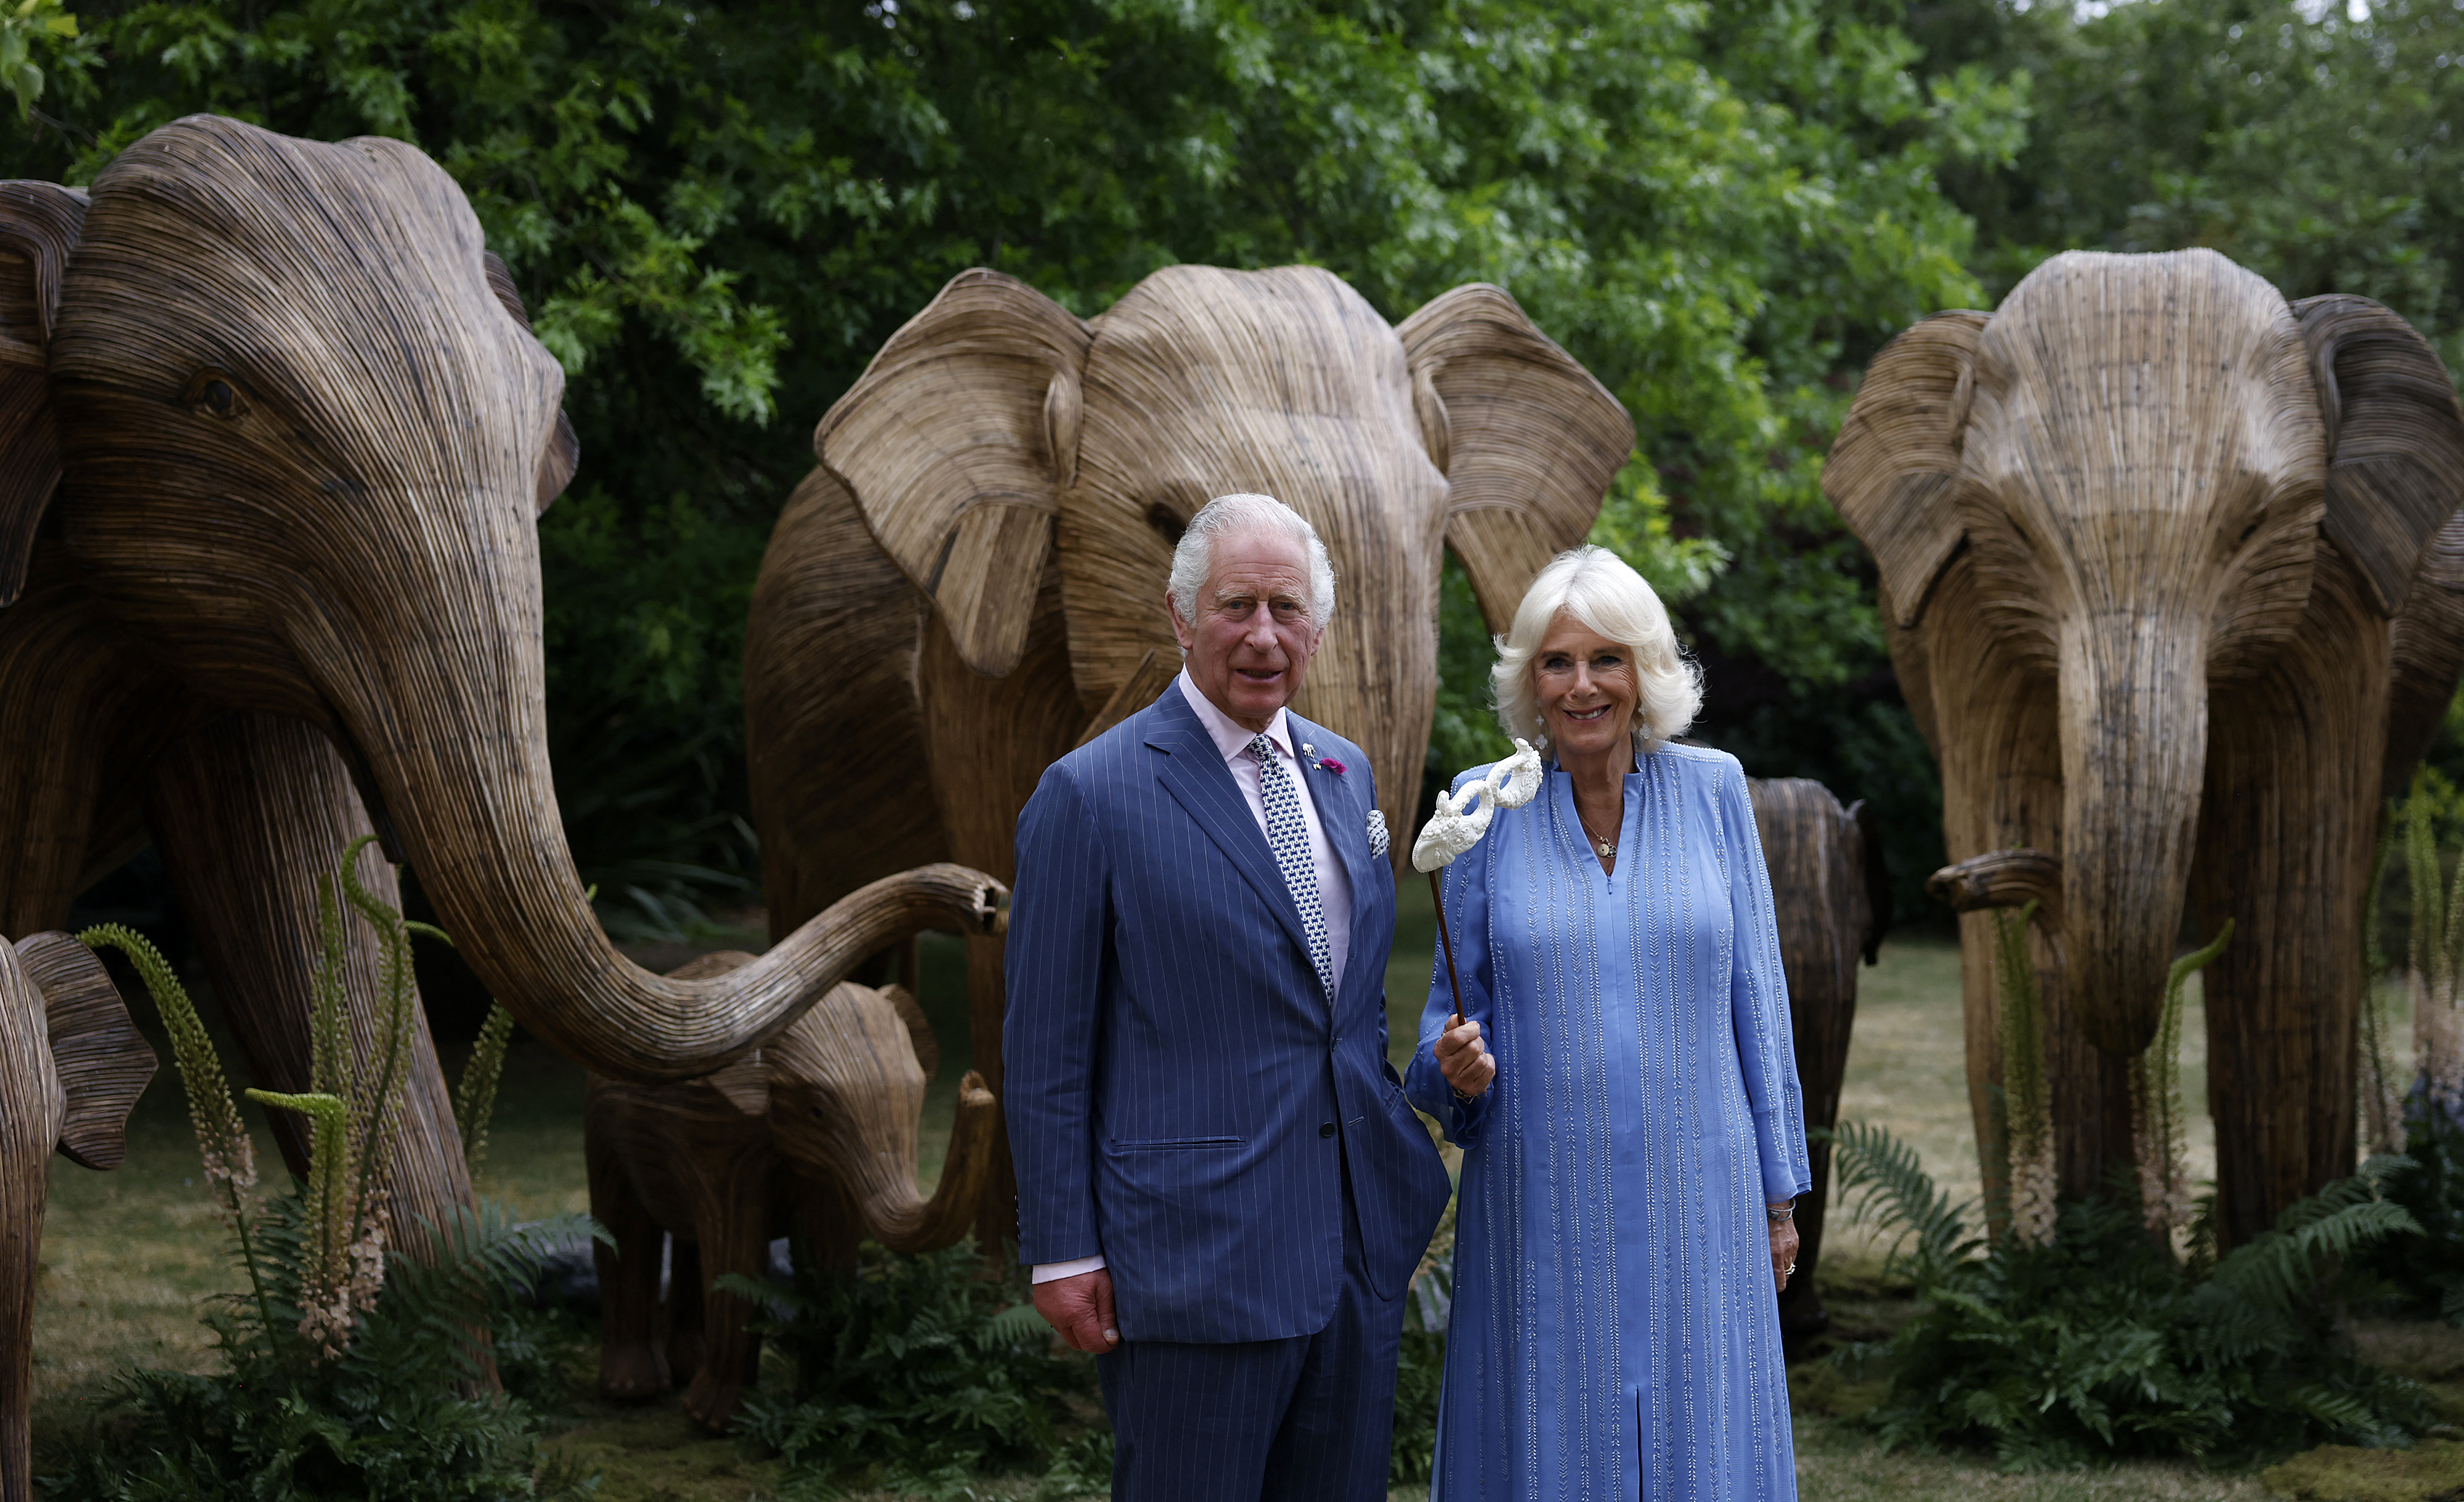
{"points": [[1601, 590], [1193, 555]]}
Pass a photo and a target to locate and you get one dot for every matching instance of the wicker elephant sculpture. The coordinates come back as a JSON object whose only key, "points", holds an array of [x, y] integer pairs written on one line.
{"points": [[813, 1136], [2173, 579]]}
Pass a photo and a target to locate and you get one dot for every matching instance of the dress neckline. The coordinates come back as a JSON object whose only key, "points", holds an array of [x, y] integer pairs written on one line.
{"points": [[1561, 791]]}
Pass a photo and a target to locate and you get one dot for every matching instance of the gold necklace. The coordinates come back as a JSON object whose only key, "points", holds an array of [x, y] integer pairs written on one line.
{"points": [[1606, 848]]}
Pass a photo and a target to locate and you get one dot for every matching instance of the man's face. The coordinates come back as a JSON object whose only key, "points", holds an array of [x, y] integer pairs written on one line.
{"points": [[1254, 634]]}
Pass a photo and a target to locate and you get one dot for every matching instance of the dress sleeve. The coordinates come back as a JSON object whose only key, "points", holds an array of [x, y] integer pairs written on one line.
{"points": [[1758, 1000], [1466, 901]]}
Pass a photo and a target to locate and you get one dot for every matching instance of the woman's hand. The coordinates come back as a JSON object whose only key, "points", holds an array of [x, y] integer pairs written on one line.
{"points": [[1783, 1235], [1464, 1059]]}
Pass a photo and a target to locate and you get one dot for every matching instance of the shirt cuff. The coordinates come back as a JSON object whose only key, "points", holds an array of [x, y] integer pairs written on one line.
{"points": [[1051, 1272]]}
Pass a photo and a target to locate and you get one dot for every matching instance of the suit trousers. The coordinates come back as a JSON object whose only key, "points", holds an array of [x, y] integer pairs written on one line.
{"points": [[1306, 1419]]}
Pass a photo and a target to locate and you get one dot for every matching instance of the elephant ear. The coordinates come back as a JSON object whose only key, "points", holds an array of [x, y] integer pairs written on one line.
{"points": [[104, 1062], [1528, 440], [745, 1083], [563, 453], [1892, 471], [2395, 439], [40, 225], [957, 443]]}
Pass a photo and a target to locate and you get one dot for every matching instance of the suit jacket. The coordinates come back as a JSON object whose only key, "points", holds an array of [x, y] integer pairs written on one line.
{"points": [[1180, 1095]]}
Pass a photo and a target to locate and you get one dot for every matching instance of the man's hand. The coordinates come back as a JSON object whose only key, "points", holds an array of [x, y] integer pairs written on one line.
{"points": [[1081, 1308], [1465, 1060]]}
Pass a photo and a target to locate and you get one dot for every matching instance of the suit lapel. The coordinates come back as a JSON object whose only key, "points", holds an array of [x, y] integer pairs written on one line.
{"points": [[1192, 771]]}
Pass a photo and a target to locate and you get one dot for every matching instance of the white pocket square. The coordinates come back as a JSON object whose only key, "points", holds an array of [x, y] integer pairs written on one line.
{"points": [[1377, 833]]}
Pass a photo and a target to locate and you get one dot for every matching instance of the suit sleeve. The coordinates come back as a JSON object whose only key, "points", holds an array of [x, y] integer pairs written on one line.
{"points": [[1466, 917], [1758, 1000], [1054, 970]]}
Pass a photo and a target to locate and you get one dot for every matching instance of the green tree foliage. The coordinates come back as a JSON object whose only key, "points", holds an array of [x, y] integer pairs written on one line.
{"points": [[2316, 149], [718, 211]]}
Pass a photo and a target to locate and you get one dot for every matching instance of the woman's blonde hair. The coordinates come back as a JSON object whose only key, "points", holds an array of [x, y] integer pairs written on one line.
{"points": [[1601, 590]]}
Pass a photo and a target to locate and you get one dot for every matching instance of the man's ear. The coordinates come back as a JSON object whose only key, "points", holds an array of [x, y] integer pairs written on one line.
{"points": [[40, 225]]}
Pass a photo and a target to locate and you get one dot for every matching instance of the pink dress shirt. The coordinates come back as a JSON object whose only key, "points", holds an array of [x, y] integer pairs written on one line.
{"points": [[1334, 887]]}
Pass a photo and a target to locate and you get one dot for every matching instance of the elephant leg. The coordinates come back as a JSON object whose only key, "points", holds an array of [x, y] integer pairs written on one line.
{"points": [[86, 714], [2287, 824], [686, 1337], [30, 1111], [252, 812], [735, 1239], [990, 740], [630, 1366], [829, 653]]}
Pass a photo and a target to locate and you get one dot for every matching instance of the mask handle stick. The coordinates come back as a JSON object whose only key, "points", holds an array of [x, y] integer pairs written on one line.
{"points": [[1447, 938]]}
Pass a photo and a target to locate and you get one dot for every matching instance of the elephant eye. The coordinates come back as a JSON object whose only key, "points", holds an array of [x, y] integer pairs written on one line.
{"points": [[213, 394], [1167, 523]]}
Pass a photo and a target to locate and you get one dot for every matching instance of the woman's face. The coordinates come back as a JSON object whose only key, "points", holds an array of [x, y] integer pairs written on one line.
{"points": [[1586, 687]]}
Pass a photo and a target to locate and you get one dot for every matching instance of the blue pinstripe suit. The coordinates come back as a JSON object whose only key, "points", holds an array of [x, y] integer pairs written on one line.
{"points": [[1180, 1096]]}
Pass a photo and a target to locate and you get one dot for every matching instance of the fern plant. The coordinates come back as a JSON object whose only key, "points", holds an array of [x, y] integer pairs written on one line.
{"points": [[351, 1369], [2097, 1343], [919, 1369]]}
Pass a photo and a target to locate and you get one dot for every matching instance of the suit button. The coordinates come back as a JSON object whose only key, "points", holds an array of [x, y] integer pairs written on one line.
{"points": [[1325, 1129]]}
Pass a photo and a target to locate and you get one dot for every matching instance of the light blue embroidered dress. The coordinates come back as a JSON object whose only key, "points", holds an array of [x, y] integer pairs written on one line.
{"points": [[1615, 1332]]}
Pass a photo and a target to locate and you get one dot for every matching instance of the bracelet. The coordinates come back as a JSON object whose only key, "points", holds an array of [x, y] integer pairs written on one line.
{"points": [[1783, 1214]]}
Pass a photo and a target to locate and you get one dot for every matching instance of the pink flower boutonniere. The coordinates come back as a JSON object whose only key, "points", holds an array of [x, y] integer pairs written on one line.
{"points": [[1322, 763]]}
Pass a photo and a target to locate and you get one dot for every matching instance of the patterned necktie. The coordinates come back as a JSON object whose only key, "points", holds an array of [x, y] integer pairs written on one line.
{"points": [[1288, 833]]}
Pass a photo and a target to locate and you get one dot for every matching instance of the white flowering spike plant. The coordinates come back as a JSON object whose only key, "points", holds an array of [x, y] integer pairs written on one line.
{"points": [[325, 1254], [2156, 1109], [2028, 1135]]}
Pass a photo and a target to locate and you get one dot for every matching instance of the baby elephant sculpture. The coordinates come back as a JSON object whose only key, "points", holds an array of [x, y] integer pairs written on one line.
{"points": [[72, 1066], [1832, 895], [812, 1134]]}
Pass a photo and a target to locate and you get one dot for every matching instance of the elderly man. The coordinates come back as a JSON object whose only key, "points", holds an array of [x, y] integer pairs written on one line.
{"points": [[1221, 1187]]}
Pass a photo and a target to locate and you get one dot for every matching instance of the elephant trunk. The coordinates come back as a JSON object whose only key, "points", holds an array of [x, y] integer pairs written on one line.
{"points": [[2134, 732], [902, 1220], [465, 786]]}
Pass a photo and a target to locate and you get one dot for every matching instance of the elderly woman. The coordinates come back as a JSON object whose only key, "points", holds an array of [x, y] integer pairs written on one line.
{"points": [[1621, 1082]]}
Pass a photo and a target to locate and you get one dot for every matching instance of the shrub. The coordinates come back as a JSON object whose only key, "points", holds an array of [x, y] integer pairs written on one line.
{"points": [[351, 1369], [925, 1368], [2100, 1343]]}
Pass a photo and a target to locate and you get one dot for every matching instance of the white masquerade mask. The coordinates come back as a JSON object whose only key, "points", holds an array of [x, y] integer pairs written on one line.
{"points": [[1462, 817]]}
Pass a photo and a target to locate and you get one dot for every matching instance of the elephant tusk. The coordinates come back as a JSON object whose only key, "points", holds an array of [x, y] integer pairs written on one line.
{"points": [[2003, 879]]}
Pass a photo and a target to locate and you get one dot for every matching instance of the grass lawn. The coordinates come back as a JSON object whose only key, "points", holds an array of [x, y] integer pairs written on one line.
{"points": [[128, 1256]]}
